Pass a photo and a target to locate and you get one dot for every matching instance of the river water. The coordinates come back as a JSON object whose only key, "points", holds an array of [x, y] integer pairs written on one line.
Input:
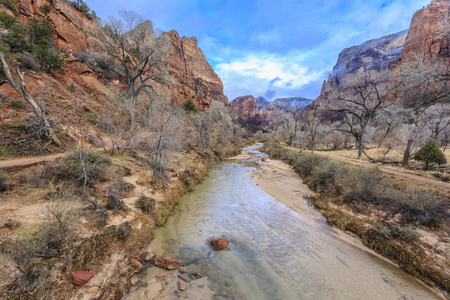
{"points": [[274, 253]]}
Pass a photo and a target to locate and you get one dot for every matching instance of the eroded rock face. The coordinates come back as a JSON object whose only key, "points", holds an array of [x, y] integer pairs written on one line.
{"points": [[190, 77], [373, 58], [247, 109], [429, 31]]}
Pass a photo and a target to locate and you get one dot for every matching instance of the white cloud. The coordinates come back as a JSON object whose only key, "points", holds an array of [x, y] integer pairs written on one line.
{"points": [[254, 73]]}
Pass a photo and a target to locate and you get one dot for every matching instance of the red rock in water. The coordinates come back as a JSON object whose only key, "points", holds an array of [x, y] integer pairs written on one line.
{"points": [[220, 244], [182, 285], [264, 159], [197, 275], [168, 263], [182, 277], [81, 277]]}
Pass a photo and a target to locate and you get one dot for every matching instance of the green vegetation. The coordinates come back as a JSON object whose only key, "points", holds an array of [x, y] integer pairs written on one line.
{"points": [[45, 9], [362, 187], [146, 204], [31, 44], [82, 6], [189, 105], [430, 153], [4, 178], [95, 165]]}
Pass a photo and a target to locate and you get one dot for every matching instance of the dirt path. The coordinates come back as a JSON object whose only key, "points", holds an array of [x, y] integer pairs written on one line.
{"points": [[27, 161], [385, 170]]}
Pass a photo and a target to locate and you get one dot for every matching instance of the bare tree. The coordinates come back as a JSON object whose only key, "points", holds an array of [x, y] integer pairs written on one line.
{"points": [[422, 81], [22, 90], [290, 124], [131, 42], [312, 125], [359, 107], [162, 136]]}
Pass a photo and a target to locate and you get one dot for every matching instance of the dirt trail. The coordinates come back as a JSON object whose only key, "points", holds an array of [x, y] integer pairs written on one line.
{"points": [[385, 170], [27, 161]]}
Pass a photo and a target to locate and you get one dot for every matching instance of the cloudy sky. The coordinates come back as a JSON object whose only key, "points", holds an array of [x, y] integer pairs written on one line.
{"points": [[272, 48]]}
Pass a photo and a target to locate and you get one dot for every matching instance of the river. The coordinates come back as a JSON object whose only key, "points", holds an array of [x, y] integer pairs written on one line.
{"points": [[274, 252]]}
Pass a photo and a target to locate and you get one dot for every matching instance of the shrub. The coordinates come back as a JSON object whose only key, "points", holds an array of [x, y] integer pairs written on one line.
{"points": [[35, 177], [323, 177], [421, 207], [17, 103], [4, 178], [189, 105], [45, 9], [232, 151], [83, 56], [361, 185], [398, 232], [147, 205], [305, 164], [29, 61], [430, 153], [34, 248], [95, 165]]}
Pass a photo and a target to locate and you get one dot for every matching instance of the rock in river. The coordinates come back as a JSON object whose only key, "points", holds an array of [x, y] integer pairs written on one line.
{"points": [[182, 285], [220, 244], [168, 263]]}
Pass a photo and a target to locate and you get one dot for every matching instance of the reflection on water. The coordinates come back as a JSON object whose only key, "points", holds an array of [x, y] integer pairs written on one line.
{"points": [[274, 253]]}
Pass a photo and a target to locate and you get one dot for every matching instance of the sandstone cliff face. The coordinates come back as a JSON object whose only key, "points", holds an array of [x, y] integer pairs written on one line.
{"points": [[429, 32], [260, 112], [189, 75]]}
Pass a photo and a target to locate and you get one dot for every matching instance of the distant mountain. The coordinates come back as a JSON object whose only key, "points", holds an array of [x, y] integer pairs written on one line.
{"points": [[259, 112]]}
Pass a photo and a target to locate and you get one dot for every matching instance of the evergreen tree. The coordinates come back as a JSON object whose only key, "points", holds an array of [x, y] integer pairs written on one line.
{"points": [[430, 153]]}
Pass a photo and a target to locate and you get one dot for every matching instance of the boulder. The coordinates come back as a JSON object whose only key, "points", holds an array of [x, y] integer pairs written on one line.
{"points": [[220, 244], [182, 286], [81, 277], [168, 263], [182, 277]]}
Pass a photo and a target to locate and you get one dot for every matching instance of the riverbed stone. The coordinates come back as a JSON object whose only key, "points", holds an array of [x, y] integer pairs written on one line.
{"points": [[149, 256], [181, 269], [182, 286], [168, 263], [81, 277], [182, 277], [197, 275], [220, 244]]}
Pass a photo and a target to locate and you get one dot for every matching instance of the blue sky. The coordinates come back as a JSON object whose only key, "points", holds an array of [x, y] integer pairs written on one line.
{"points": [[274, 49]]}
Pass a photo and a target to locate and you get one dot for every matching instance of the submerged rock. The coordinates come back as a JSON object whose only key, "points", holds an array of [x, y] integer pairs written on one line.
{"points": [[182, 277], [197, 275], [168, 263], [182, 285], [220, 244], [181, 269], [81, 277]]}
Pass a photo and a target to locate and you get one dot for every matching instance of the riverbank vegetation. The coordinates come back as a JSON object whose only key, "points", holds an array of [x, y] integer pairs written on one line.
{"points": [[399, 219]]}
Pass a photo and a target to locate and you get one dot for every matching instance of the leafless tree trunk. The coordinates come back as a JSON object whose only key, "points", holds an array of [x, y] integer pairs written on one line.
{"points": [[22, 90]]}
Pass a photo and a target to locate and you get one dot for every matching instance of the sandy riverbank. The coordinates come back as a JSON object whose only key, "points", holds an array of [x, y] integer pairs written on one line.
{"points": [[281, 182]]}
